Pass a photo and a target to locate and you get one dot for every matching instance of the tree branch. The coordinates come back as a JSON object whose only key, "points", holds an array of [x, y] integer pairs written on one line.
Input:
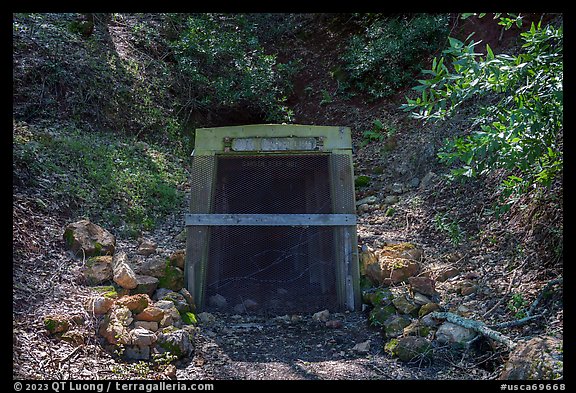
{"points": [[477, 326]]}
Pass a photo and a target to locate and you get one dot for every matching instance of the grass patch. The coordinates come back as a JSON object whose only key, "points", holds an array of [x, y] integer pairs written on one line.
{"points": [[117, 181]]}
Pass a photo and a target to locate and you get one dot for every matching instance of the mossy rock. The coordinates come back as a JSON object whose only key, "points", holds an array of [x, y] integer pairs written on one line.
{"points": [[412, 348], [173, 278], [380, 314], [107, 291], [378, 297], [55, 324], [394, 325], [362, 181]]}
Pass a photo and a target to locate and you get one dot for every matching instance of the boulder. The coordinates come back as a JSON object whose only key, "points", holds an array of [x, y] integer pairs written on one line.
{"points": [[135, 303], [540, 358], [377, 296], [427, 309], [176, 298], [145, 284], [412, 347], [99, 305], [142, 337], [452, 334], [423, 285], [405, 306], [88, 239], [114, 332], [151, 314], [154, 266], [152, 326], [394, 326], [97, 269], [173, 278], [121, 314], [177, 342], [146, 247], [416, 328], [123, 273], [379, 314], [171, 314], [393, 264], [178, 259]]}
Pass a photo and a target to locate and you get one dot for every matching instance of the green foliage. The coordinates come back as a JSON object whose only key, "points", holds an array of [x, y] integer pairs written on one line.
{"points": [[449, 227], [226, 66], [188, 318], [373, 135], [362, 181], [517, 305], [116, 181], [520, 130], [390, 51]]}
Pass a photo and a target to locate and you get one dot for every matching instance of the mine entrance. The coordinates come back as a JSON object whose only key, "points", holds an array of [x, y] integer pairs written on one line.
{"points": [[271, 227]]}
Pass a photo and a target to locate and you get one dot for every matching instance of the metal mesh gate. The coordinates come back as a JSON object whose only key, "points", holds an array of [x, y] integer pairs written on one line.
{"points": [[272, 233]]}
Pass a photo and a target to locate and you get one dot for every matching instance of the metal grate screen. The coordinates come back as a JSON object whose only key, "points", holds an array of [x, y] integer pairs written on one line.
{"points": [[268, 233]]}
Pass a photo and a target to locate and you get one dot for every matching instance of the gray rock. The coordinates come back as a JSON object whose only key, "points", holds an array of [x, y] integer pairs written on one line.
{"points": [[321, 316], [121, 314], [205, 318], [147, 247], [178, 300], [405, 306], [449, 333], [98, 269], [218, 301], [177, 342], [171, 314], [421, 299], [145, 284], [539, 358], [427, 180], [142, 337], [123, 273], [397, 188], [85, 238], [155, 267], [394, 326], [391, 199], [413, 183], [363, 347], [412, 348], [370, 200], [148, 325], [136, 353]]}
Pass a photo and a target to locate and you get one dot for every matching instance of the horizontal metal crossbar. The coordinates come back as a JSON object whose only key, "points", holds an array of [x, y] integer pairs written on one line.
{"points": [[270, 219]]}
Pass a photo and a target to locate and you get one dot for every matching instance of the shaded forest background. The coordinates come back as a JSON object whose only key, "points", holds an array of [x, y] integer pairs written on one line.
{"points": [[105, 107]]}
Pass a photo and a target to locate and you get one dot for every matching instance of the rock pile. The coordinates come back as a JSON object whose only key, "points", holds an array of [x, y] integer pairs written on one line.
{"points": [[144, 310], [401, 302]]}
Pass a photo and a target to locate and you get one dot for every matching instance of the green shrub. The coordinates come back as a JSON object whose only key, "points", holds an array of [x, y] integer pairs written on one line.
{"points": [[122, 184], [520, 130], [226, 67], [390, 52]]}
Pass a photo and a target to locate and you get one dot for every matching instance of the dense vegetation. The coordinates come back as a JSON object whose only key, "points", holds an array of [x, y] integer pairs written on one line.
{"points": [[171, 73]]}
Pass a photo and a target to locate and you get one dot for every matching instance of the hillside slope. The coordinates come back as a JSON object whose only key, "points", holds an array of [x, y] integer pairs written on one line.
{"points": [[98, 119]]}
